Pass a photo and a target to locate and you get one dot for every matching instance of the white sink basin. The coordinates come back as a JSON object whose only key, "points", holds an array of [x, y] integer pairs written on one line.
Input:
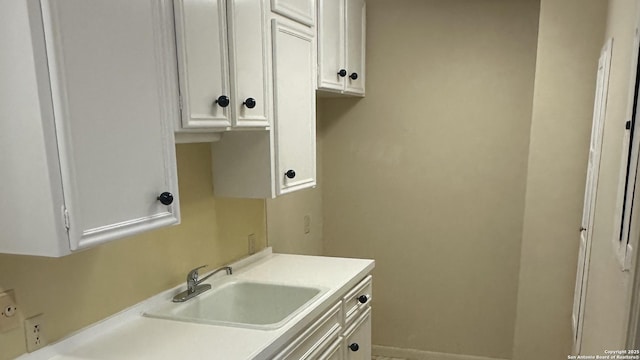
{"points": [[243, 304]]}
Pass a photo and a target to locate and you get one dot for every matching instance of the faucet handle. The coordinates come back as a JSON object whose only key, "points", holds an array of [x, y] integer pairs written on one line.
{"points": [[193, 274]]}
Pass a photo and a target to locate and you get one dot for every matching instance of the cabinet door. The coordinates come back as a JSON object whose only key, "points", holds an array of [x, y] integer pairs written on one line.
{"points": [[355, 47], [358, 341], [249, 63], [113, 75], [31, 215], [294, 97], [201, 36], [331, 42]]}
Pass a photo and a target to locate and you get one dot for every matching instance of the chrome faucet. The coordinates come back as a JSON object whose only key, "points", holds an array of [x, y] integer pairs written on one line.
{"points": [[194, 288]]}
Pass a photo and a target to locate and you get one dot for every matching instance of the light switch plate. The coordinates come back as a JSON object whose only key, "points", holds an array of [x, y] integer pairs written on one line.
{"points": [[307, 224], [9, 314], [252, 243]]}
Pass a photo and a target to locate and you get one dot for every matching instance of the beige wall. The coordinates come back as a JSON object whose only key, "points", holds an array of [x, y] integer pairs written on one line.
{"points": [[607, 300], [569, 40], [427, 173], [285, 223], [79, 289]]}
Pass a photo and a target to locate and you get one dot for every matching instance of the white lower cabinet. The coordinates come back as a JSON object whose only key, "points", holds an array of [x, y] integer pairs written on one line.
{"points": [[313, 340], [334, 335], [334, 352], [87, 100], [357, 339]]}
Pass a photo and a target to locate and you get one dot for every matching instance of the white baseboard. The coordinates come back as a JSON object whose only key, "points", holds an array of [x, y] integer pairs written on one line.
{"points": [[412, 354]]}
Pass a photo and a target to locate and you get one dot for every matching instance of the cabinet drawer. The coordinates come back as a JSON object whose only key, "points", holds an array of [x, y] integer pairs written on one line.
{"points": [[353, 301], [334, 351], [325, 330]]}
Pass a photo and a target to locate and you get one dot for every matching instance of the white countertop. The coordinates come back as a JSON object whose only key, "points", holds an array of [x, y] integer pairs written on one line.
{"points": [[129, 335]]}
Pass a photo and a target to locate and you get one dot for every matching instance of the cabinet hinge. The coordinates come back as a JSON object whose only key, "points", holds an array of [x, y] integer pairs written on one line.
{"points": [[627, 125], [67, 222], [628, 257], [180, 102]]}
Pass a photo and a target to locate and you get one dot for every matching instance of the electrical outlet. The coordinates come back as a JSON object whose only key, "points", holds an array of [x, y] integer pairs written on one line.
{"points": [[9, 316], [34, 329], [252, 243], [307, 224]]}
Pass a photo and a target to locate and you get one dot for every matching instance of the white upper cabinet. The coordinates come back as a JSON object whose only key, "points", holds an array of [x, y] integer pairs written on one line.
{"points": [[88, 99], [281, 159], [223, 64], [302, 11], [331, 45], [355, 46], [204, 63], [294, 82], [341, 46]]}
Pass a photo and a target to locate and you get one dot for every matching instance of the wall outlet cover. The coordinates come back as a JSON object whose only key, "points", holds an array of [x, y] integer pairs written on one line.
{"points": [[34, 330], [9, 314]]}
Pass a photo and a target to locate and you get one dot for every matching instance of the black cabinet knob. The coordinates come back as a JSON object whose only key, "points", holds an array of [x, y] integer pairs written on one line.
{"points": [[353, 76], [290, 174], [354, 347], [223, 101], [166, 198], [250, 103], [363, 299], [342, 72]]}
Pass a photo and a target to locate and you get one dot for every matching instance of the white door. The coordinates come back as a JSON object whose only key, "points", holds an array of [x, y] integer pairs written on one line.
{"points": [[113, 75], [201, 36], [332, 67], [591, 186], [355, 46], [294, 97]]}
